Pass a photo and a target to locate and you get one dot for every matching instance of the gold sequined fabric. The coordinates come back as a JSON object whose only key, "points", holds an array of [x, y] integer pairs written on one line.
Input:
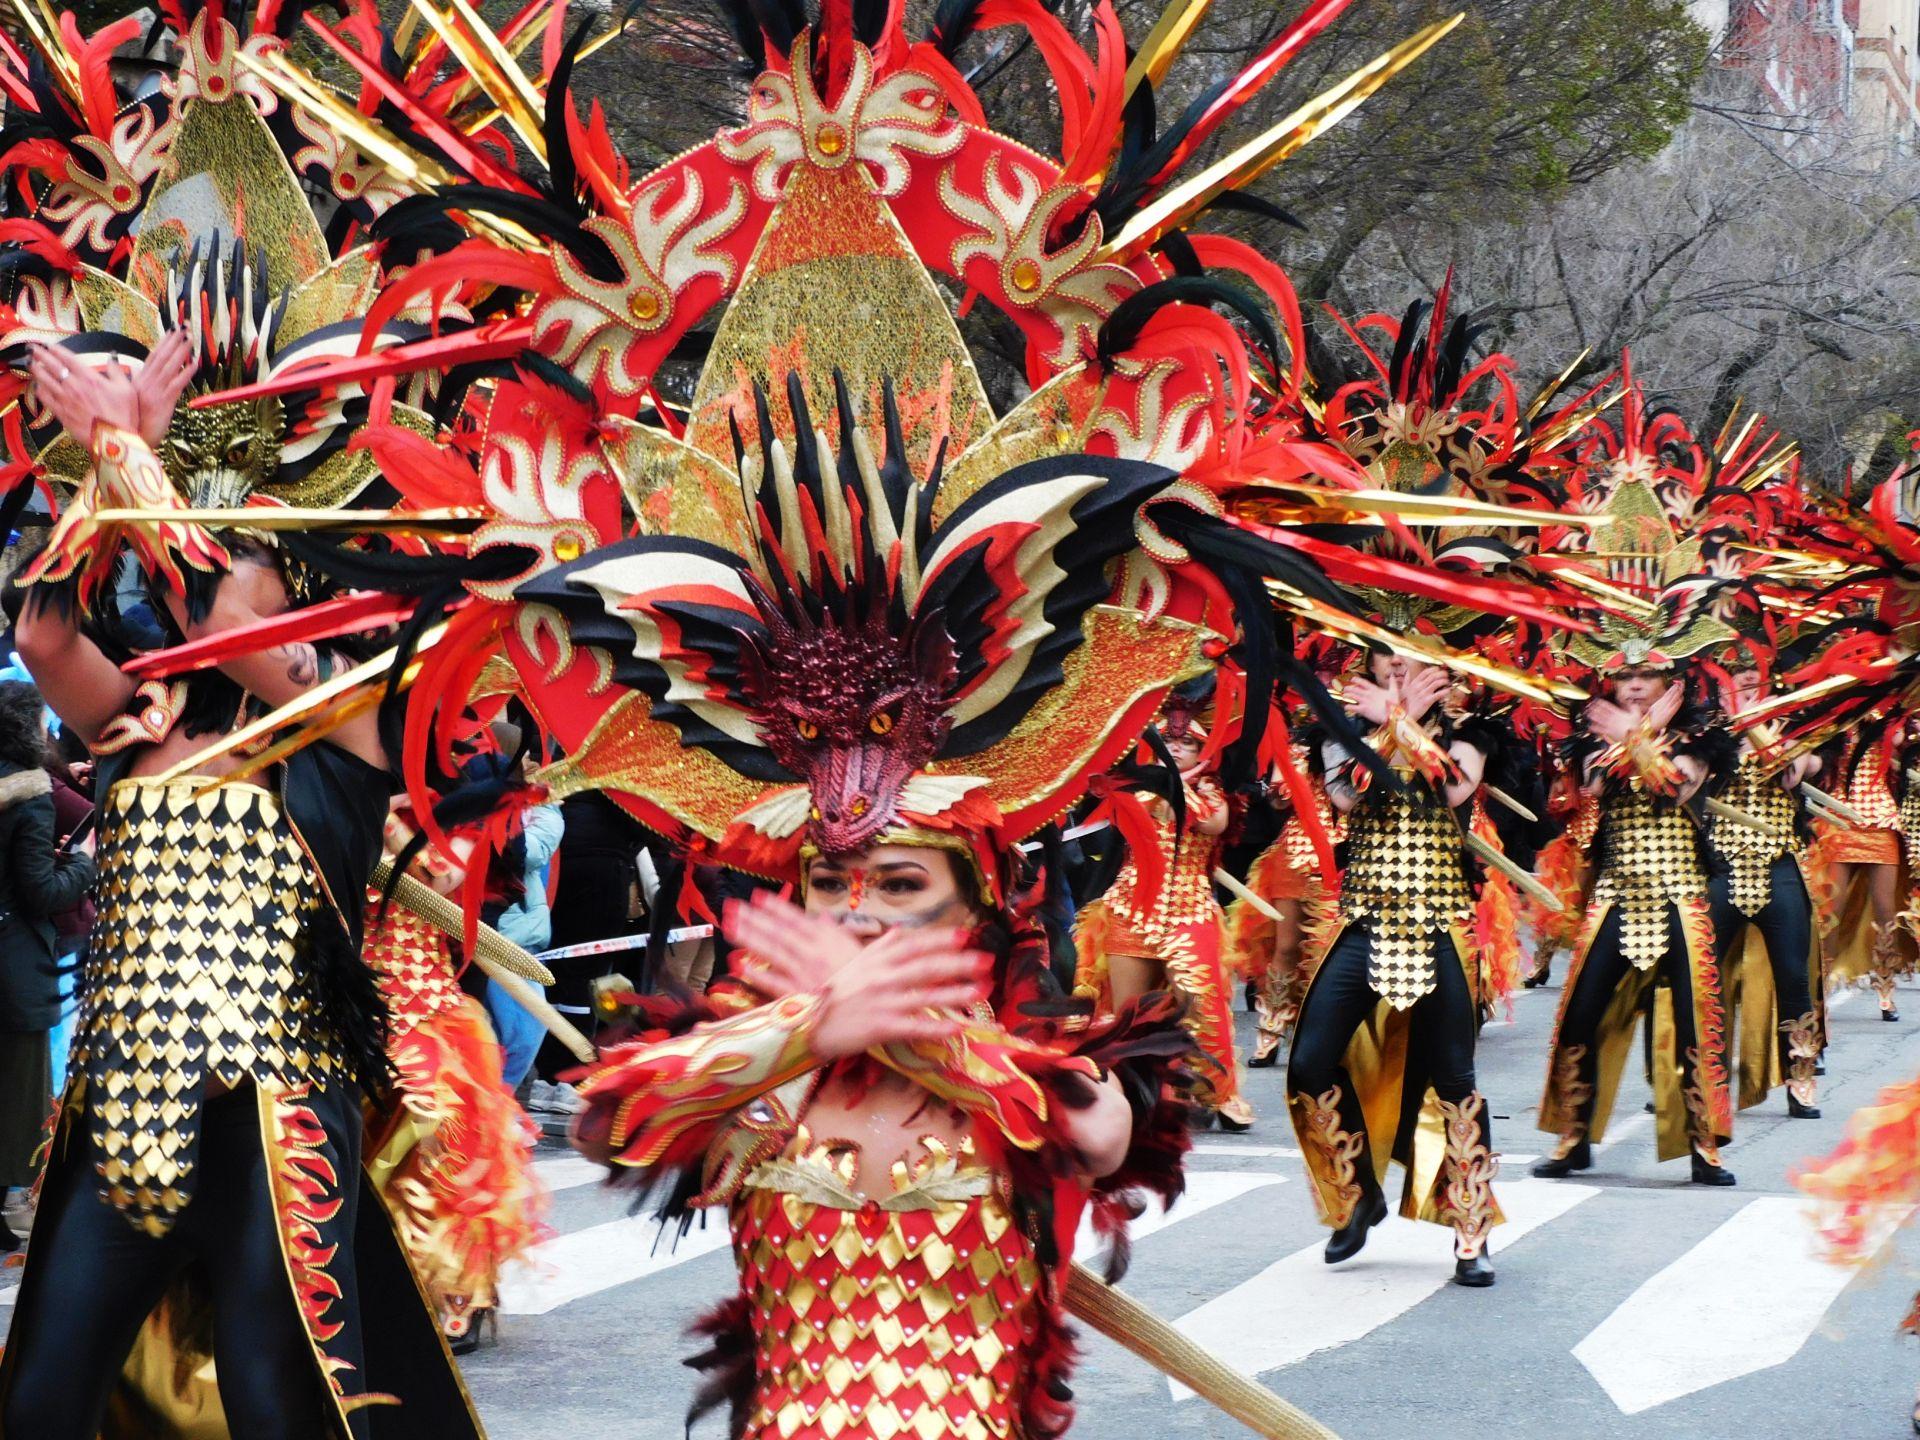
{"points": [[1403, 880], [1649, 859], [1750, 853], [907, 1316], [1867, 790], [413, 964], [194, 972], [1155, 926]]}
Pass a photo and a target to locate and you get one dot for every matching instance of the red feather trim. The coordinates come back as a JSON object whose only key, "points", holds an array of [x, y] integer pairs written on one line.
{"points": [[346, 615]]}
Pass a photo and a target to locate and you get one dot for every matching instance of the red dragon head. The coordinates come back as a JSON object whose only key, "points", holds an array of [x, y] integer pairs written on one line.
{"points": [[849, 704]]}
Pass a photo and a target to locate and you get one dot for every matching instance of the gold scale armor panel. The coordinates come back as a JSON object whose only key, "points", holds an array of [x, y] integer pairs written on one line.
{"points": [[1750, 853], [907, 1316], [1403, 878], [194, 971], [1649, 860], [1867, 791]]}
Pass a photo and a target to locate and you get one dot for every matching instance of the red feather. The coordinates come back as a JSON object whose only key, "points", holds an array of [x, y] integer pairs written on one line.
{"points": [[346, 615]]}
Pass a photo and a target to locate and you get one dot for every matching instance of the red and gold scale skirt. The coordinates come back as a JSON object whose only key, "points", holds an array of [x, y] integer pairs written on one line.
{"points": [[885, 1321]]}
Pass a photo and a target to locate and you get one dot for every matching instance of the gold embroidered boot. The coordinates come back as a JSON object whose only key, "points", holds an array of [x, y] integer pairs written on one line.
{"points": [[1350, 1197], [1800, 1047], [1466, 1194], [1707, 1167], [1885, 965]]}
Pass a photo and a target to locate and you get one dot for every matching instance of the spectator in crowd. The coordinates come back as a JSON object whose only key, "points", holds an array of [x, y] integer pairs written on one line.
{"points": [[528, 922], [37, 882], [594, 899]]}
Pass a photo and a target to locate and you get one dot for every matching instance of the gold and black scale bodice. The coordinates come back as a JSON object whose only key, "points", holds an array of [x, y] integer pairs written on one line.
{"points": [[1750, 853], [195, 971], [1403, 879], [1649, 859]]}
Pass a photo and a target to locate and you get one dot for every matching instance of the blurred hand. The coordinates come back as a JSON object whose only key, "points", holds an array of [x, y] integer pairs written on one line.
{"points": [[1660, 714], [1423, 690], [870, 995], [160, 384], [1370, 701], [1609, 722]]}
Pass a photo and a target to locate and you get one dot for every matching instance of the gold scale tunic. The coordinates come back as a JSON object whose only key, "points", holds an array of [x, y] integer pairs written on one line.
{"points": [[906, 1315], [1750, 853], [1649, 859], [1403, 880], [194, 972]]}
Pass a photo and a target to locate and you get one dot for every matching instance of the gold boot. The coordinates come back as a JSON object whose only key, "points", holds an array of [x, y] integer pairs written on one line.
{"points": [[1466, 1197], [1801, 1040], [1885, 966]]}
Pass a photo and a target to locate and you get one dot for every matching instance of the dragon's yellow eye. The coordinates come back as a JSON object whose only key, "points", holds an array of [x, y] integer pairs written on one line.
{"points": [[808, 730], [881, 724]]}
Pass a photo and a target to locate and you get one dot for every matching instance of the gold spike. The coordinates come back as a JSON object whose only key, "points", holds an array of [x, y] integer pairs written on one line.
{"points": [[1571, 423], [1558, 383], [303, 91], [1164, 43], [591, 48], [1727, 447], [1266, 150], [476, 46], [43, 29], [1419, 647], [457, 521], [411, 168], [1720, 445], [1595, 585], [1436, 510]]}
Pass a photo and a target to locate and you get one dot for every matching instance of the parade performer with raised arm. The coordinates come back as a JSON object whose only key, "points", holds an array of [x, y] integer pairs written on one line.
{"points": [[1158, 927], [1644, 752], [1758, 890], [203, 1200], [1405, 913]]}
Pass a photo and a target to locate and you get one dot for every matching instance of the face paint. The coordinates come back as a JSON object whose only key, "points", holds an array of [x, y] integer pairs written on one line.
{"points": [[890, 887]]}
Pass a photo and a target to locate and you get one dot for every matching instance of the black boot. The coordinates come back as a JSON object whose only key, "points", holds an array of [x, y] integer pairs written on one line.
{"points": [[1351, 1238], [1473, 1271], [1797, 1111], [1558, 1167], [1710, 1172], [1539, 977], [1257, 1061]]}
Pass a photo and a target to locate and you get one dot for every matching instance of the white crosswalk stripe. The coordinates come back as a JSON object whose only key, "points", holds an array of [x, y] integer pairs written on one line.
{"points": [[573, 1266], [1746, 1298], [1301, 1305]]}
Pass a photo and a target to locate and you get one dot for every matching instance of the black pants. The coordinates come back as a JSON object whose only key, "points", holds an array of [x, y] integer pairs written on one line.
{"points": [[1785, 924], [1602, 972], [96, 1278], [1443, 1024]]}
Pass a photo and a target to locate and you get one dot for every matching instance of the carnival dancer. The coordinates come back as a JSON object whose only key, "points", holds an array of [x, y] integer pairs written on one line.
{"points": [[205, 1164], [1866, 858], [227, 1030], [1293, 878], [1758, 888], [1136, 939], [1405, 911], [1648, 937], [881, 1089]]}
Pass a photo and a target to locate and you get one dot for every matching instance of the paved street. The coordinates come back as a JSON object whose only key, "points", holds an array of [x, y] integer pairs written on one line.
{"points": [[1629, 1304]]}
